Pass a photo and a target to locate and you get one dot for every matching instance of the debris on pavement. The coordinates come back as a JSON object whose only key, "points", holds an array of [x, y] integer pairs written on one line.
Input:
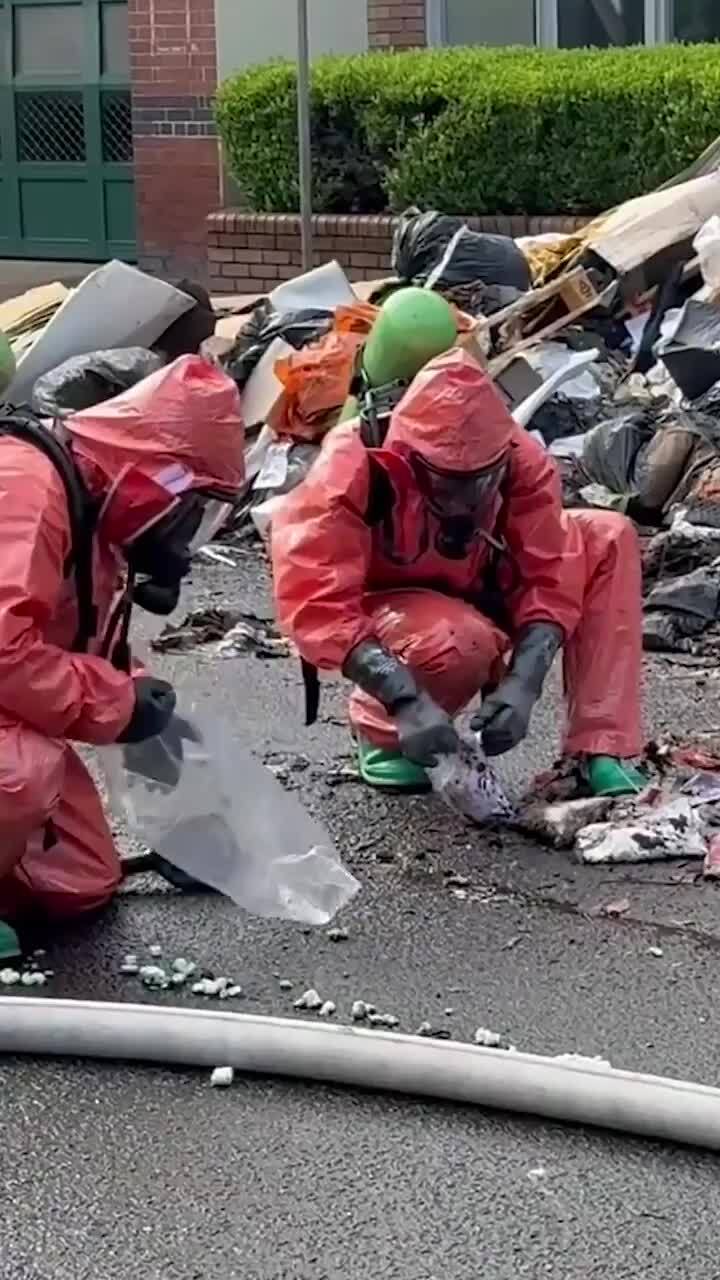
{"points": [[657, 952], [386, 1020], [491, 1039], [711, 865], [309, 1000], [222, 1077], [361, 1010], [674, 830], [558, 823], [427, 1031], [327, 1009], [338, 935], [231, 630], [613, 910]]}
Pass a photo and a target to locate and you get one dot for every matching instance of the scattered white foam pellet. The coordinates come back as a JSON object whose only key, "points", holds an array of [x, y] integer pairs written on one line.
{"points": [[222, 1077], [155, 949], [488, 1039], [338, 935], [327, 1009], [309, 1000], [383, 1020], [8, 977]]}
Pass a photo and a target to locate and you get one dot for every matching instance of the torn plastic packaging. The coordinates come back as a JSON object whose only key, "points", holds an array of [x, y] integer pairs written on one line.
{"points": [[468, 784], [229, 823], [84, 381]]}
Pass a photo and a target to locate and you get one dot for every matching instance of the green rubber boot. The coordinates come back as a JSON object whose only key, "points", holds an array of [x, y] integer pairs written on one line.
{"points": [[390, 769], [10, 947], [608, 776]]}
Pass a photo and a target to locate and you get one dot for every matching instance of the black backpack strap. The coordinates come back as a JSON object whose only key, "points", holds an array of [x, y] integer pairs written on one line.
{"points": [[55, 445]]}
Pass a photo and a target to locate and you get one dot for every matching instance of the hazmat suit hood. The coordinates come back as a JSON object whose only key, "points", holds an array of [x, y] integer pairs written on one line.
{"points": [[177, 432], [452, 417]]}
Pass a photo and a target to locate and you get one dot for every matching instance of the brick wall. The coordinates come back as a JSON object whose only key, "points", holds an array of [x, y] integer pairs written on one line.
{"points": [[397, 24], [251, 253], [173, 59]]}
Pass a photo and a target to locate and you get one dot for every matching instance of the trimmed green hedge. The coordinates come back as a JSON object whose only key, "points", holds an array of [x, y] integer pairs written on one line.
{"points": [[474, 130]]}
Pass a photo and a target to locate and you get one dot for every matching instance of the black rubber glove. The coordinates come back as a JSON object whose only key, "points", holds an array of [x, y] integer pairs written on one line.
{"points": [[160, 760], [504, 718], [381, 675], [425, 731], [154, 706]]}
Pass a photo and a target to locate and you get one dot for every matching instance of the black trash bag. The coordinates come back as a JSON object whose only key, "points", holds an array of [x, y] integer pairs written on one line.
{"points": [[84, 381], [297, 328], [185, 336], [614, 451], [423, 240], [557, 419], [680, 610]]}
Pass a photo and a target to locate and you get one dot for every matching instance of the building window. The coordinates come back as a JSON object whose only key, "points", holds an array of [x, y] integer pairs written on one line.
{"points": [[572, 24], [696, 20], [600, 22], [494, 22]]}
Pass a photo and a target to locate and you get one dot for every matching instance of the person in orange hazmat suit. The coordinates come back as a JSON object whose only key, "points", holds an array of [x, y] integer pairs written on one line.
{"points": [[158, 466], [442, 564]]}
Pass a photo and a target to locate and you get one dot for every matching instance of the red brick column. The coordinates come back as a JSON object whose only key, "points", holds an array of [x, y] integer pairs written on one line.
{"points": [[396, 24], [173, 60]]}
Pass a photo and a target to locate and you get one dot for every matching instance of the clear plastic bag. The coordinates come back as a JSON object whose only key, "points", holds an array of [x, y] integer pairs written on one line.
{"points": [[229, 823]]}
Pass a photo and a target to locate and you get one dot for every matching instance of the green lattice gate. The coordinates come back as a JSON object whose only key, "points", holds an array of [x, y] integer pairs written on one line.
{"points": [[66, 184]]}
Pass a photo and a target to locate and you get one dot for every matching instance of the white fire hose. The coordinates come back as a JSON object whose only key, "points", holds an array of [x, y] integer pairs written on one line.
{"points": [[580, 1091]]}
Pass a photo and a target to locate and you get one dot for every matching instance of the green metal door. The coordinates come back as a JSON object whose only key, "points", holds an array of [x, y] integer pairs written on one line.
{"points": [[66, 181]]}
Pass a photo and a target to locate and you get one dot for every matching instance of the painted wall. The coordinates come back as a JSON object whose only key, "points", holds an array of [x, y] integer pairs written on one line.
{"points": [[250, 31]]}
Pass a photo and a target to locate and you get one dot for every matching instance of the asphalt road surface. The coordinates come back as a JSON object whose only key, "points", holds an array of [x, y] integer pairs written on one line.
{"points": [[116, 1172]]}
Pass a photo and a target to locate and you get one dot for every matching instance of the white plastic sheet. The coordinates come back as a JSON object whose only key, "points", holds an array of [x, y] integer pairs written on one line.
{"points": [[229, 823], [707, 248], [673, 831]]}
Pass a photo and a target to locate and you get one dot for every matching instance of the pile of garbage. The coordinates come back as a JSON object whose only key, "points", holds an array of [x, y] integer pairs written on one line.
{"points": [[605, 346], [675, 816]]}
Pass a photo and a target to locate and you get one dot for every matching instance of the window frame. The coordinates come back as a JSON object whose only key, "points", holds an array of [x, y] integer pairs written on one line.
{"points": [[658, 22]]}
